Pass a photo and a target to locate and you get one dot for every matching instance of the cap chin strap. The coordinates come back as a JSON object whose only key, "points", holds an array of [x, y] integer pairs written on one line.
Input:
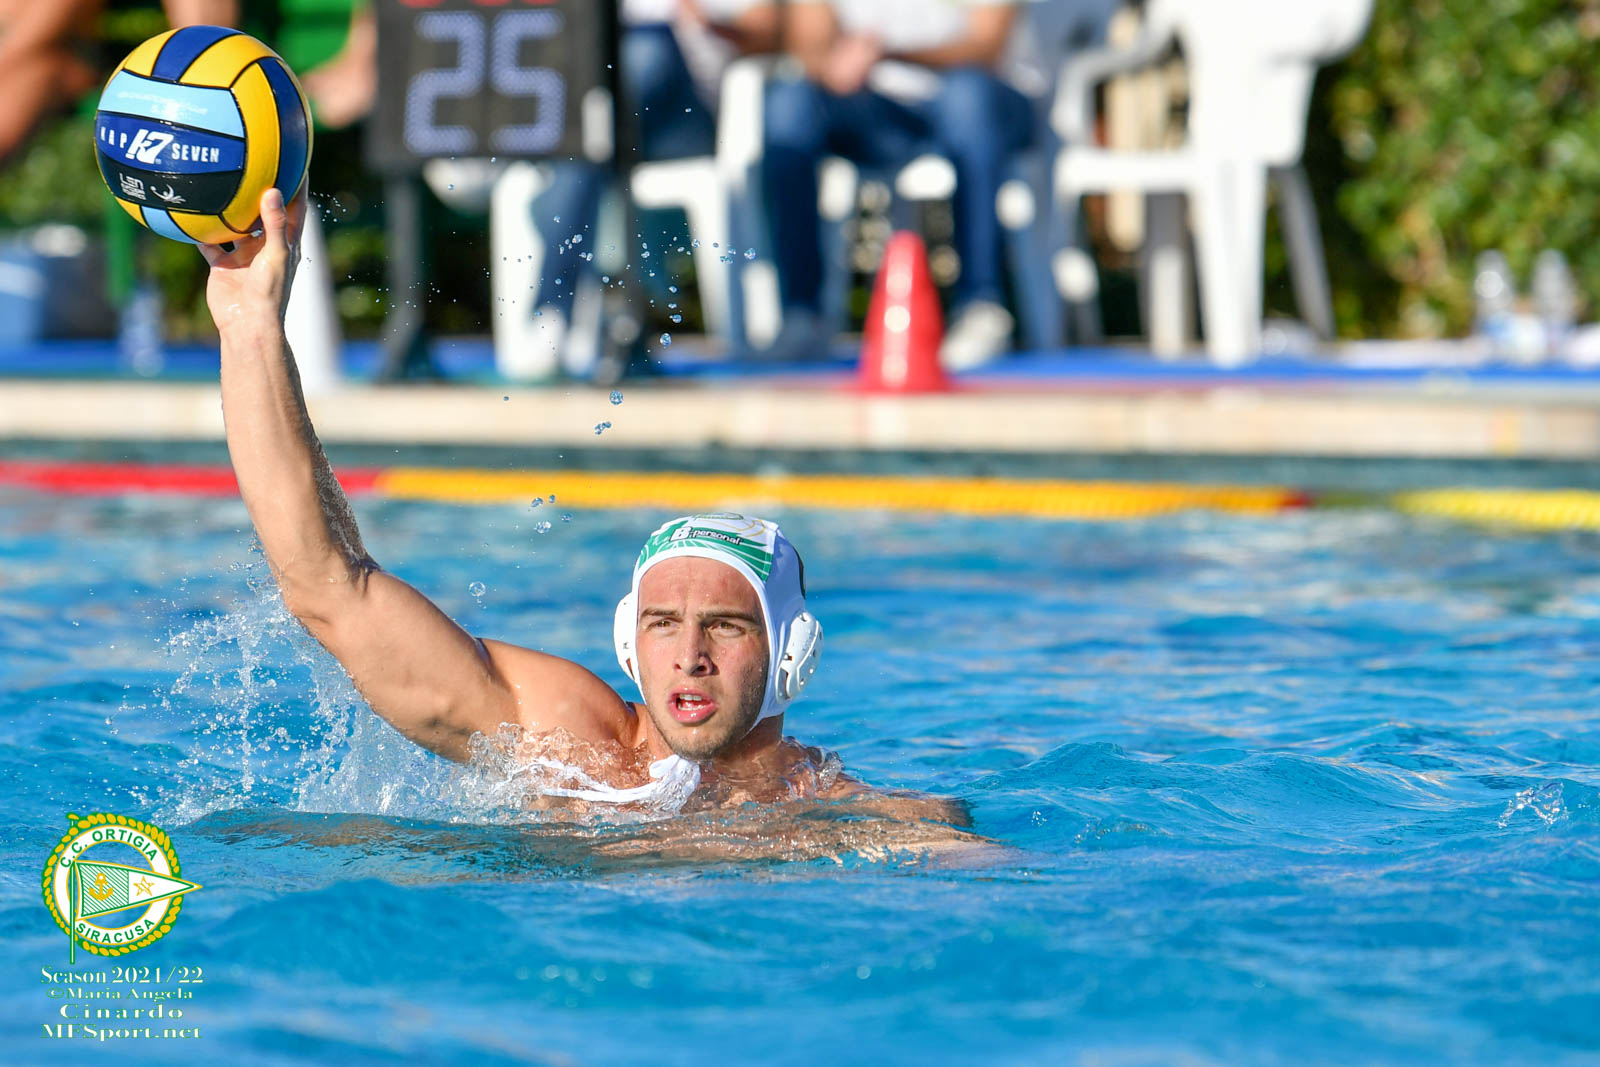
{"points": [[794, 668]]}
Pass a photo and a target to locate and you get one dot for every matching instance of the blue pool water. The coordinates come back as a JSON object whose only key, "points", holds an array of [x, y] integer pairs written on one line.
{"points": [[1313, 788]]}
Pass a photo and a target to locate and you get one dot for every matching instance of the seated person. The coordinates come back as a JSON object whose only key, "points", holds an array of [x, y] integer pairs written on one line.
{"points": [[885, 81], [343, 87], [669, 60], [714, 628], [40, 65]]}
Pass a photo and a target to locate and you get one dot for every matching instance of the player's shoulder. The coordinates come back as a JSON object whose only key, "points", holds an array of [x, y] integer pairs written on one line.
{"points": [[551, 693]]}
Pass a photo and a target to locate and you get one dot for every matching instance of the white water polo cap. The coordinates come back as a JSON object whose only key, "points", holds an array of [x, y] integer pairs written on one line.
{"points": [[766, 559]]}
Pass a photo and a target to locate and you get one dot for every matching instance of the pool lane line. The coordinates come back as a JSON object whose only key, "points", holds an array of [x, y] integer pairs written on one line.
{"points": [[1544, 509], [76, 476], [1529, 509], [678, 491], [693, 491]]}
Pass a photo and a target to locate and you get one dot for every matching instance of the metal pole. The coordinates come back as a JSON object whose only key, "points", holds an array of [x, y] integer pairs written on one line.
{"points": [[405, 348]]}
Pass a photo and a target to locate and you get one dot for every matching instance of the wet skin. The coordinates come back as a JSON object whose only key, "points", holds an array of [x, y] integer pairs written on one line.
{"points": [[703, 655]]}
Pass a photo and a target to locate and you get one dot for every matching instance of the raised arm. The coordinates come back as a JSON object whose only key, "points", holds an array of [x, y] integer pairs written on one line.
{"points": [[427, 676]]}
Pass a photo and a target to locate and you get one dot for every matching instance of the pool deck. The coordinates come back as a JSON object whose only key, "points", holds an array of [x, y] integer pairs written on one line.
{"points": [[1099, 402]]}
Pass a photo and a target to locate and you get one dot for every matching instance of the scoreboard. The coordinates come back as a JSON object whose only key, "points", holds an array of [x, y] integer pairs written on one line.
{"points": [[517, 79]]}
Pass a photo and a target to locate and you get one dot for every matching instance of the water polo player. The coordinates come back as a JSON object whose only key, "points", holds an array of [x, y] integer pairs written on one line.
{"points": [[714, 628]]}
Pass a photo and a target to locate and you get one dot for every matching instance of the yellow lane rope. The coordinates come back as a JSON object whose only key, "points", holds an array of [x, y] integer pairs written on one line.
{"points": [[1539, 509], [701, 492], [1542, 509]]}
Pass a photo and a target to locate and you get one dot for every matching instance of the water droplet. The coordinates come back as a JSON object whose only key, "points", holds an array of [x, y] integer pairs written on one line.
{"points": [[677, 318], [577, 238], [601, 427], [541, 527], [566, 516], [616, 396], [537, 502], [477, 588], [666, 340], [552, 495], [749, 253]]}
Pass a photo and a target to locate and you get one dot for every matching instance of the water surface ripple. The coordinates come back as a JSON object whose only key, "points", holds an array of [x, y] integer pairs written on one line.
{"points": [[1313, 788]]}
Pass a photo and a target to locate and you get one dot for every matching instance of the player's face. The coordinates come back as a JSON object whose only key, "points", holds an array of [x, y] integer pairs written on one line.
{"points": [[702, 651]]}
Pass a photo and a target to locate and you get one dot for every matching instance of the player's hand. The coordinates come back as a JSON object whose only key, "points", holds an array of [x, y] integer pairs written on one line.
{"points": [[849, 62], [692, 14], [251, 281]]}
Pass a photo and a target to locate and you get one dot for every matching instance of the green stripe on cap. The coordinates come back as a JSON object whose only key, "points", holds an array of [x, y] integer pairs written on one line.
{"points": [[754, 552]]}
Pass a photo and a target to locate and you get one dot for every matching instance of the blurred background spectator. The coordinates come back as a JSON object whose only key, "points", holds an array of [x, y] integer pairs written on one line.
{"points": [[885, 81], [341, 85], [43, 62], [672, 54]]}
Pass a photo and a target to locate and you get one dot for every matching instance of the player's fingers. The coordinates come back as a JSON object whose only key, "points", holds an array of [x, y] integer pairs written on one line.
{"points": [[230, 254], [274, 220]]}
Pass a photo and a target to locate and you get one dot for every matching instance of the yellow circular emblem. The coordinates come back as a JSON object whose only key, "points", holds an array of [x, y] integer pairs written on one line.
{"points": [[92, 898]]}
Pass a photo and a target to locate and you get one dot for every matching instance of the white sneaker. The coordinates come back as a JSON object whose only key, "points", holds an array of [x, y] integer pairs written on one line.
{"points": [[980, 334]]}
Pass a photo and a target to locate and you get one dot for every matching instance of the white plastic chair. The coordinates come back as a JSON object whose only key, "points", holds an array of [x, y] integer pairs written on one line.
{"points": [[705, 187], [1251, 64]]}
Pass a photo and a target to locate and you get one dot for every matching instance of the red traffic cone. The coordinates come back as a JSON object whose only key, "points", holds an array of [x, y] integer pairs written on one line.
{"points": [[900, 349]]}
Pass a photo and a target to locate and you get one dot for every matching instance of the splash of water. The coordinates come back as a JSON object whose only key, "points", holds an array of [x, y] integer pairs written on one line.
{"points": [[280, 725], [1545, 801], [272, 719]]}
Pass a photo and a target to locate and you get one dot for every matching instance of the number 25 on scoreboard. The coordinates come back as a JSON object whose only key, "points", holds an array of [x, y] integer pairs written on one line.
{"points": [[486, 77]]}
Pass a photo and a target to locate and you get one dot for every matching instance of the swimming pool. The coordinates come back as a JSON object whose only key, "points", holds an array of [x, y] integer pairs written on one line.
{"points": [[1312, 787]]}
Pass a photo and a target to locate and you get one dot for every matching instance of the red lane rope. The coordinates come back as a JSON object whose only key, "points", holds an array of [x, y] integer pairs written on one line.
{"points": [[70, 476]]}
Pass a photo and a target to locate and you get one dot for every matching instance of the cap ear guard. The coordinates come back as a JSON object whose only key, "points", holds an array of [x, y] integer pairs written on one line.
{"points": [[624, 631], [800, 656]]}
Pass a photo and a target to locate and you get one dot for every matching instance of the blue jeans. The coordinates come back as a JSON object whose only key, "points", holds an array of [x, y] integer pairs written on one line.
{"points": [[976, 121], [672, 122]]}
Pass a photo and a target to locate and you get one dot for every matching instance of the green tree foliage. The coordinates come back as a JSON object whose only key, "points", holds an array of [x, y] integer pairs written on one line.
{"points": [[1463, 125]]}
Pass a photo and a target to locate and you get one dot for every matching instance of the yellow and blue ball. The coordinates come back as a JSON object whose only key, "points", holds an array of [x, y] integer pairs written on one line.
{"points": [[194, 126]]}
